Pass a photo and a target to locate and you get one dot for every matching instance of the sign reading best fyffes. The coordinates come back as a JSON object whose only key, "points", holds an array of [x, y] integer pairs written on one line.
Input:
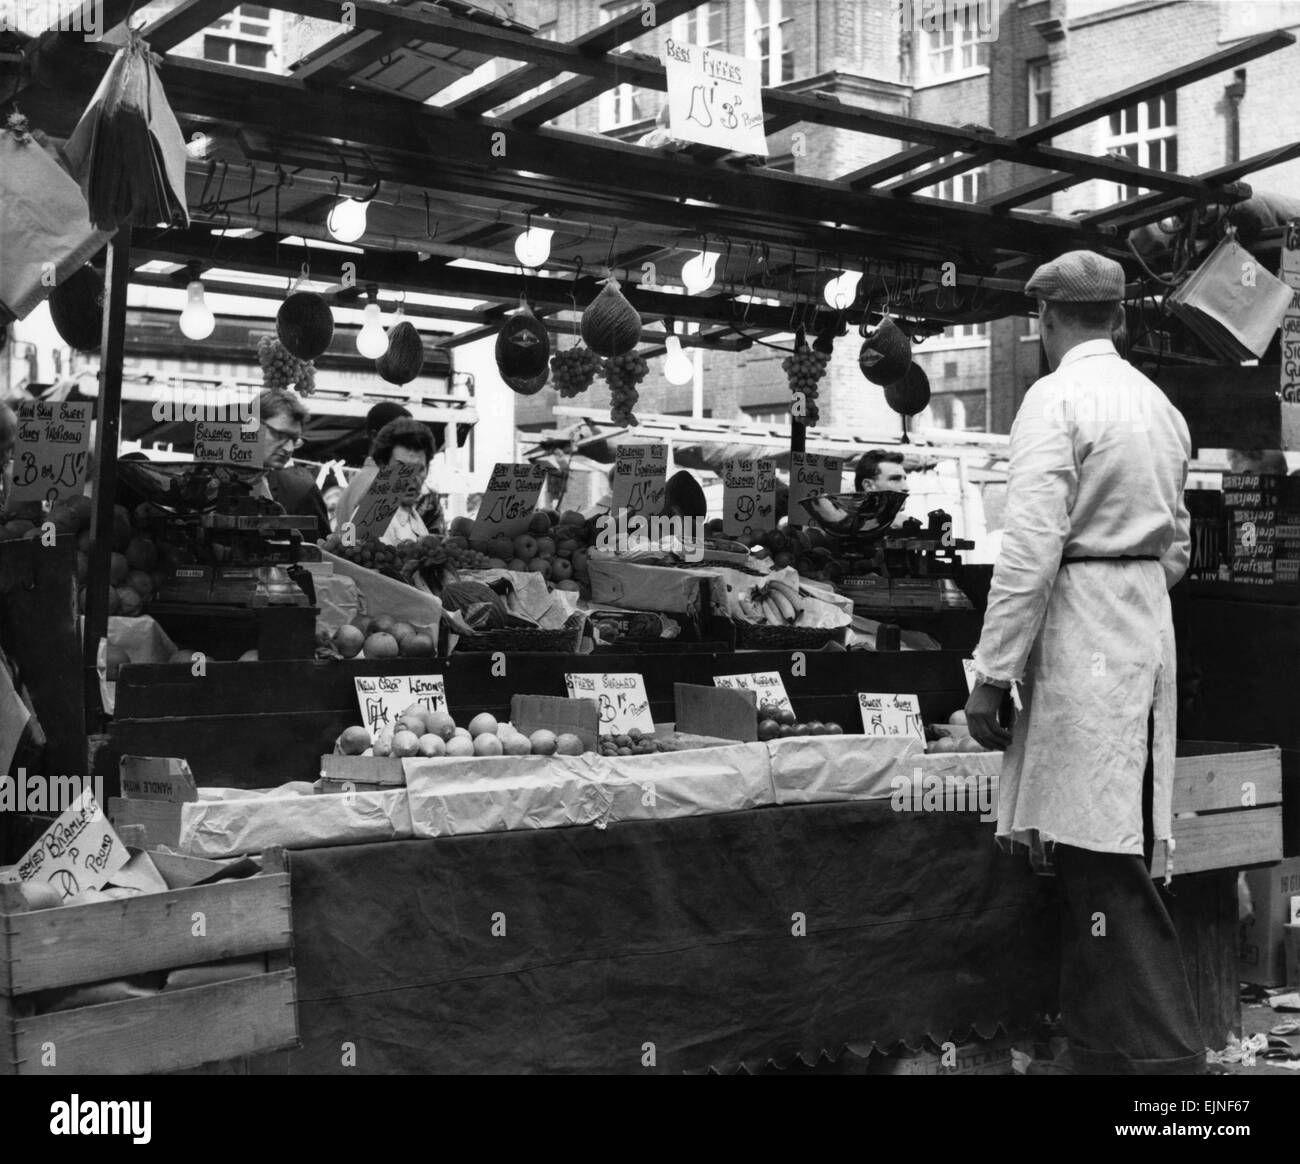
{"points": [[714, 98]]}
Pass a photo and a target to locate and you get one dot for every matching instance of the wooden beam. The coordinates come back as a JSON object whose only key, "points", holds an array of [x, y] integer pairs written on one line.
{"points": [[937, 173], [903, 162], [108, 417], [820, 109], [1030, 192], [184, 21], [1238, 54], [555, 101]]}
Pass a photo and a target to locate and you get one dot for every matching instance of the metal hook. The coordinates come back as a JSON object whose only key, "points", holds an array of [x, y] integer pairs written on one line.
{"points": [[609, 257], [207, 183], [252, 181]]}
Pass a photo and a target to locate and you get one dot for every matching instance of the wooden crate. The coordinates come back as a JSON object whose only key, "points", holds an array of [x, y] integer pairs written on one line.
{"points": [[168, 1031], [1227, 805]]}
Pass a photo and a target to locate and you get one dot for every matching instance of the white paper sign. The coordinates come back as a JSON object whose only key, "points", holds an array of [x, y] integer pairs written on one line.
{"points": [[715, 98], [623, 701], [383, 698], [891, 715], [51, 452], [811, 475], [748, 497], [78, 851], [640, 479], [375, 513], [1291, 339], [766, 685], [228, 443], [510, 500]]}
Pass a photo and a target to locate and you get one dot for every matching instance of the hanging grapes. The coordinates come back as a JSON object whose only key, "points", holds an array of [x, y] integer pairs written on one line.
{"points": [[282, 369], [804, 370], [573, 370], [623, 373]]}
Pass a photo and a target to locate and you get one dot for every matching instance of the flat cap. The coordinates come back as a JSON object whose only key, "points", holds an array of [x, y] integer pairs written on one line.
{"points": [[1078, 277]]}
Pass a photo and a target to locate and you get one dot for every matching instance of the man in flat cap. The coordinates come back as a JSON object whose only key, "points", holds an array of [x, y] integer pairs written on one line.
{"points": [[1079, 621]]}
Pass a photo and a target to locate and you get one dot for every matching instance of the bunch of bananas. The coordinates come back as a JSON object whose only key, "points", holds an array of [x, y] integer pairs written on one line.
{"points": [[774, 602]]}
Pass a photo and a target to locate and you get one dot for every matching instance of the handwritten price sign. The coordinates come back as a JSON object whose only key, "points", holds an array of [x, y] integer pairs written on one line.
{"points": [[766, 685], [891, 715], [375, 513], [51, 452], [714, 98], [228, 444], [1291, 338], [748, 496], [382, 698], [622, 699], [510, 500], [640, 477], [79, 851], [811, 475]]}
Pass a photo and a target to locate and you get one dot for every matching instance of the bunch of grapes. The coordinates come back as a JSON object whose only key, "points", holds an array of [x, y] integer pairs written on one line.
{"points": [[804, 369], [623, 374], [466, 559], [282, 369], [574, 370]]}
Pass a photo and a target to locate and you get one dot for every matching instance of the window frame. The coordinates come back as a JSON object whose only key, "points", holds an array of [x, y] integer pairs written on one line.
{"points": [[773, 22], [1139, 143], [1034, 92], [977, 177], [610, 104], [943, 52]]}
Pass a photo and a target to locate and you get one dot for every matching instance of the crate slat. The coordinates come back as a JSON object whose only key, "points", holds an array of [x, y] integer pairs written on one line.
{"points": [[1223, 840], [1217, 780], [168, 1032], [112, 939]]}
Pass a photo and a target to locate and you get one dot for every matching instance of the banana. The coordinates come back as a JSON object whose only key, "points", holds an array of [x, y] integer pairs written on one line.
{"points": [[773, 612], [783, 604], [791, 593], [752, 610]]}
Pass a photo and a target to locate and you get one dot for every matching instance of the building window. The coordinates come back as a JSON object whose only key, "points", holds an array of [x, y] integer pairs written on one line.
{"points": [[958, 47], [1040, 92], [967, 331], [1145, 133], [705, 26], [965, 187], [243, 37], [629, 104], [768, 414], [769, 36]]}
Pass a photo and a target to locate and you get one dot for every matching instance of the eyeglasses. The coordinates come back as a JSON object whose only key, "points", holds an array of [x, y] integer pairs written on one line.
{"points": [[292, 439]]}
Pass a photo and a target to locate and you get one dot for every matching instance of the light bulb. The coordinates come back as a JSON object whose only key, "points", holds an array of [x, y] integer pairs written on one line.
{"points": [[841, 291], [372, 341], [679, 368], [347, 221], [197, 320], [533, 246], [697, 273]]}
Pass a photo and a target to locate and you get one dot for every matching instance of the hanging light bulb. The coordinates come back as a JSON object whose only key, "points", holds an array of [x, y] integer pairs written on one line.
{"points": [[841, 291], [372, 340], [347, 220], [679, 368], [697, 273], [533, 246], [197, 321]]}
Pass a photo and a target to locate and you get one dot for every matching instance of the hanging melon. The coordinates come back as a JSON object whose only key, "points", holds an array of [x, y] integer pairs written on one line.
{"points": [[405, 356], [523, 348], [886, 353], [528, 385], [611, 325], [910, 394], [305, 324], [77, 309]]}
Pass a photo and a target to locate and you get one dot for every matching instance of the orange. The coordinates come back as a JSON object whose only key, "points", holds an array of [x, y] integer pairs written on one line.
{"points": [[349, 641], [567, 744], [354, 741], [380, 645]]}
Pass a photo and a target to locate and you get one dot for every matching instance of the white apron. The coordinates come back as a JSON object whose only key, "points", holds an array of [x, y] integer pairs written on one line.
{"points": [[1103, 661]]}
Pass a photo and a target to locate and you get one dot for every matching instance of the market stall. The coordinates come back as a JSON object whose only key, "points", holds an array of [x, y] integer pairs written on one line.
{"points": [[774, 900]]}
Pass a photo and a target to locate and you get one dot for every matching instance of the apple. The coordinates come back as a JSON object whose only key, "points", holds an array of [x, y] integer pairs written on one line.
{"points": [[517, 566], [561, 569], [540, 566], [546, 547], [525, 546], [502, 547], [768, 729], [539, 524]]}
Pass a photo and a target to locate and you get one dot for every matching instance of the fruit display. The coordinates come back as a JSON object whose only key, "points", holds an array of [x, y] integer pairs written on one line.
{"points": [[808, 550], [774, 602], [610, 324], [282, 369], [780, 723], [951, 737], [573, 370], [634, 743], [382, 637], [304, 325], [804, 370], [417, 731], [402, 362], [622, 374]]}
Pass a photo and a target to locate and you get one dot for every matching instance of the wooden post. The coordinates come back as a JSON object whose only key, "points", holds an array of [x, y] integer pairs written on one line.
{"points": [[108, 416]]}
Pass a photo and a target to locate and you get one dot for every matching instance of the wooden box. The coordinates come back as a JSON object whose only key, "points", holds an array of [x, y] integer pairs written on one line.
{"points": [[166, 1031], [1227, 805]]}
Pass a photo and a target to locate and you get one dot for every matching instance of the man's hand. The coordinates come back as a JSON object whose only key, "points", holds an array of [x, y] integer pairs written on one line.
{"points": [[982, 717]]}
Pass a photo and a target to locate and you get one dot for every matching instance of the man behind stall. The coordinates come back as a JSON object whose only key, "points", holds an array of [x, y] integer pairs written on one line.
{"points": [[283, 418], [1079, 615]]}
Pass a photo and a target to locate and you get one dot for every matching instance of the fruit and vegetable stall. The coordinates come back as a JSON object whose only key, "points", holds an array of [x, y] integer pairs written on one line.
{"points": [[687, 785]]}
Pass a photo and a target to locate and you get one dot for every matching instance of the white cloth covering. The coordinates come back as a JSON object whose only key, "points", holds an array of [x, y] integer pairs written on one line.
{"points": [[1099, 460]]}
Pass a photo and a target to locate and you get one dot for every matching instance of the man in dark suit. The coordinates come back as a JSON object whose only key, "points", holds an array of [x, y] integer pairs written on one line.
{"points": [[283, 418]]}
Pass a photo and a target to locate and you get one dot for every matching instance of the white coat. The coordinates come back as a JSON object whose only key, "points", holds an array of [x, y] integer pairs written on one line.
{"points": [[1099, 460]]}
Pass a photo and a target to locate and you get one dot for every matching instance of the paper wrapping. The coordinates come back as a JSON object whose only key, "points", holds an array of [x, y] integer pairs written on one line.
{"points": [[231, 827], [689, 783], [380, 594], [141, 638], [531, 597], [806, 769], [452, 797], [670, 589], [339, 600]]}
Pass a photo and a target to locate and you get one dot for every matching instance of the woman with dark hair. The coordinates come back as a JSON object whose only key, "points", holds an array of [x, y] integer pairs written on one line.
{"points": [[404, 441]]}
